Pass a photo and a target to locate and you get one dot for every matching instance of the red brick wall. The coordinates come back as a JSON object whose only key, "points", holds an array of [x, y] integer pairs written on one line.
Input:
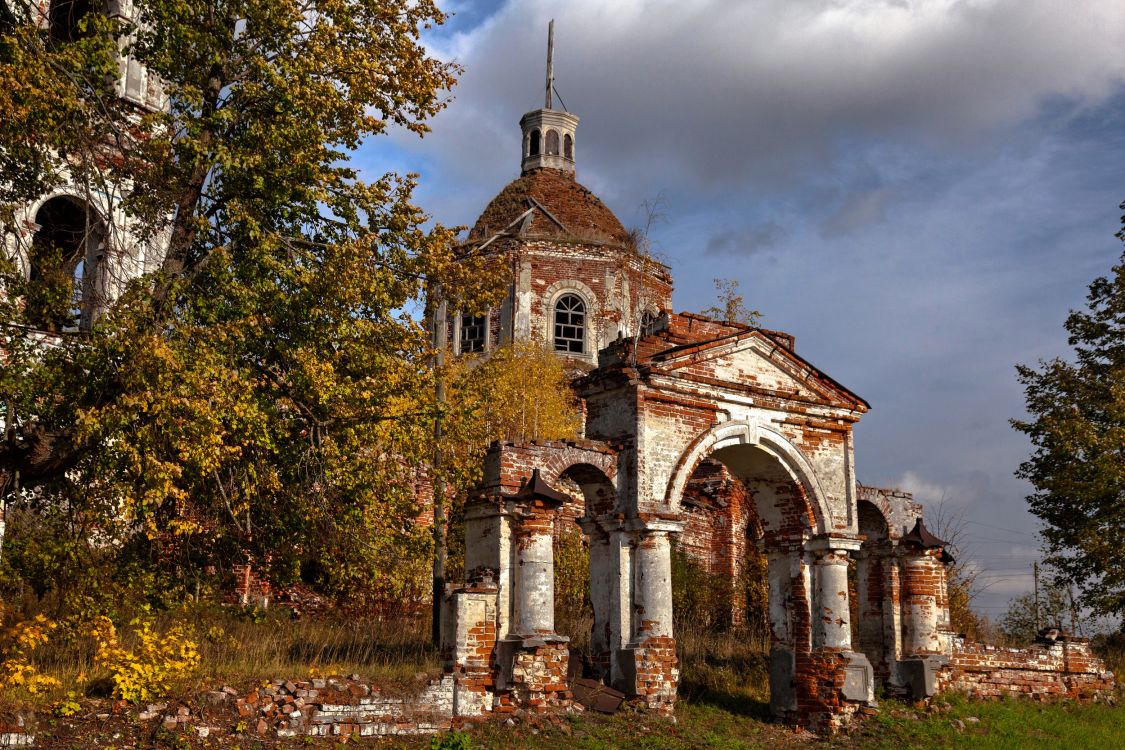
{"points": [[1060, 670]]}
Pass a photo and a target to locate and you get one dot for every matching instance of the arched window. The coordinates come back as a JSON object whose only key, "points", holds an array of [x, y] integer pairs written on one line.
{"points": [[60, 292], [533, 147], [648, 322], [64, 17], [570, 324], [552, 143], [474, 328], [568, 147]]}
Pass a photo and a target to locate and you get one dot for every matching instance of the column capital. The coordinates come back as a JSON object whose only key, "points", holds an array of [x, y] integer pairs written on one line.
{"points": [[487, 506], [658, 525], [827, 543]]}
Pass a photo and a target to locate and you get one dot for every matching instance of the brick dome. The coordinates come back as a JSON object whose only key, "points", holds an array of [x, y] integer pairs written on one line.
{"points": [[581, 213]]}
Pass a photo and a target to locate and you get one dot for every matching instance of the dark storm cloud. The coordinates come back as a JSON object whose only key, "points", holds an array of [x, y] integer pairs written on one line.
{"points": [[722, 92], [744, 241]]}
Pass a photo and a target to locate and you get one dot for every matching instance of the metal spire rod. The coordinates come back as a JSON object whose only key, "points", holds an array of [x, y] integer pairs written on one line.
{"points": [[550, 62]]}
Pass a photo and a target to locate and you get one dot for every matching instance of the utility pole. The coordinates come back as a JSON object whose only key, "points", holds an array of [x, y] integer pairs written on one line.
{"points": [[440, 528], [1035, 573]]}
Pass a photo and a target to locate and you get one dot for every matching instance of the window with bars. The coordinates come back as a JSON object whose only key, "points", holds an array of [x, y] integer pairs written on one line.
{"points": [[473, 331], [570, 324]]}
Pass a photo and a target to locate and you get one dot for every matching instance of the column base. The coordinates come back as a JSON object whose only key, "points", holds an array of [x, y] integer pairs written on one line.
{"points": [[531, 672], [650, 672], [917, 675], [831, 687]]}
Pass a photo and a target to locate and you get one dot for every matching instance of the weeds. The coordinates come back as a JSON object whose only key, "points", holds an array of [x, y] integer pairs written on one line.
{"points": [[228, 646]]}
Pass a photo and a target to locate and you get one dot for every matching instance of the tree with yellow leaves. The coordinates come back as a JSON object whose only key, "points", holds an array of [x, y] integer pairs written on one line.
{"points": [[265, 393]]}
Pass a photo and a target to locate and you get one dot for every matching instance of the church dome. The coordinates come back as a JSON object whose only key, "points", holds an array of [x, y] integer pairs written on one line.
{"points": [[564, 209]]}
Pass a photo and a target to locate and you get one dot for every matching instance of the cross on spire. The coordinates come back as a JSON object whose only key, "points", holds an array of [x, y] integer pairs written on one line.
{"points": [[550, 63]]}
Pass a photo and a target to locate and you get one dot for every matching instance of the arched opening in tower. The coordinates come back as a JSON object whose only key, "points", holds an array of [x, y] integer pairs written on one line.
{"points": [[65, 19], [62, 261]]}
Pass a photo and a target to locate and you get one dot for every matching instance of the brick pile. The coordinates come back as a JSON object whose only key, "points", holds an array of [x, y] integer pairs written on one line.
{"points": [[335, 706]]}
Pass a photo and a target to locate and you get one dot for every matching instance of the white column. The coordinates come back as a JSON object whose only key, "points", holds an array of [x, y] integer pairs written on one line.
{"points": [[652, 579], [832, 628], [535, 573]]}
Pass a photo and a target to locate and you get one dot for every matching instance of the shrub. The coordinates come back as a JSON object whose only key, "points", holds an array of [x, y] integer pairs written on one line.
{"points": [[16, 647], [149, 670]]}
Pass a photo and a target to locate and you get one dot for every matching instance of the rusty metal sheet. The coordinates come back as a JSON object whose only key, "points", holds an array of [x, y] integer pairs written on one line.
{"points": [[596, 696]]}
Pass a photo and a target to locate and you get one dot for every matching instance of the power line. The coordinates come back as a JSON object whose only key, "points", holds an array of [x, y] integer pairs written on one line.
{"points": [[1001, 528]]}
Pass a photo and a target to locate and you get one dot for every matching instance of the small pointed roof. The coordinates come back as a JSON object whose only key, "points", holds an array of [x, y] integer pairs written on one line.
{"points": [[538, 489], [922, 537]]}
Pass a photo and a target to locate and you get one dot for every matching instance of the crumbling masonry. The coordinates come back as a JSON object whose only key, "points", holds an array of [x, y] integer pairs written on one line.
{"points": [[714, 433]]}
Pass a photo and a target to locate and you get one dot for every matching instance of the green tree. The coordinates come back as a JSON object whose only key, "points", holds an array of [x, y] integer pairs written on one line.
{"points": [[1019, 620], [265, 394], [1077, 429]]}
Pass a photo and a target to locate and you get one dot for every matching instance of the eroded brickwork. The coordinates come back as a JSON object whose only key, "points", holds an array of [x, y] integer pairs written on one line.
{"points": [[656, 673], [538, 678], [1063, 669]]}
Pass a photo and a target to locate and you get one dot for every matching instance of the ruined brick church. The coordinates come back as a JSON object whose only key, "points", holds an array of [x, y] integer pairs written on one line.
{"points": [[709, 434], [704, 433]]}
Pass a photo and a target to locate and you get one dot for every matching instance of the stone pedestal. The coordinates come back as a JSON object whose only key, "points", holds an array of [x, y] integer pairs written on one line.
{"points": [[472, 648]]}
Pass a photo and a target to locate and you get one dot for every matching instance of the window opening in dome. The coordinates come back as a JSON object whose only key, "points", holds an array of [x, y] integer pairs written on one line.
{"points": [[568, 146], [552, 143], [570, 324], [473, 331], [533, 150], [648, 322]]}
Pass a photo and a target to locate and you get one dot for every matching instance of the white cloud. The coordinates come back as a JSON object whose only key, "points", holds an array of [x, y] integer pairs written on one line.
{"points": [[932, 493]]}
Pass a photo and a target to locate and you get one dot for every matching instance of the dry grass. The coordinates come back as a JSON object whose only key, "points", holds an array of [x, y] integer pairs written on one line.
{"points": [[244, 647], [728, 669]]}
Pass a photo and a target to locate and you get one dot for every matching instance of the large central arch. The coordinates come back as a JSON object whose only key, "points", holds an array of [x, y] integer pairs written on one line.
{"points": [[725, 438]]}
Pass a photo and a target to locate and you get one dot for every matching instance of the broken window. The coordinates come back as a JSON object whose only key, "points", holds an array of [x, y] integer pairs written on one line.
{"points": [[533, 149], [552, 143], [65, 17], [648, 322], [474, 328], [568, 147], [61, 277], [570, 324]]}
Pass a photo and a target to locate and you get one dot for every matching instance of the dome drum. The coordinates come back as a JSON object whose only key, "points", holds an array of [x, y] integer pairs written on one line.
{"points": [[548, 140]]}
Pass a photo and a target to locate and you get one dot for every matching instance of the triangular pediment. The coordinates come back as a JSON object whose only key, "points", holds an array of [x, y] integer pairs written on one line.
{"points": [[752, 360]]}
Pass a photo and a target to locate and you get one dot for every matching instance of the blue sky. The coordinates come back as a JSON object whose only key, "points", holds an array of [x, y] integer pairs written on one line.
{"points": [[918, 191]]}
